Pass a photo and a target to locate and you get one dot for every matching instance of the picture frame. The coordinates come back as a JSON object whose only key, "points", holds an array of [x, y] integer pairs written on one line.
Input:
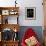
{"points": [[5, 12], [30, 13]]}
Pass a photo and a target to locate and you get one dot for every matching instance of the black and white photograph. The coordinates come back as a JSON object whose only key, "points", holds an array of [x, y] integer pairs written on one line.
{"points": [[30, 13]]}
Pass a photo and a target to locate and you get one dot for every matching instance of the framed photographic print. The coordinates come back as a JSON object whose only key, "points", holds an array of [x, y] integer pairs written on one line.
{"points": [[5, 12], [30, 13]]}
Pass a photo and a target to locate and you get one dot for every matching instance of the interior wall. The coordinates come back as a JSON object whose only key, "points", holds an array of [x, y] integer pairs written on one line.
{"points": [[39, 13], [26, 3]]}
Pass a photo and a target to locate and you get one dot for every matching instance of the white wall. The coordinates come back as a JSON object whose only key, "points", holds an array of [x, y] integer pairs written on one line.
{"points": [[39, 13], [27, 3]]}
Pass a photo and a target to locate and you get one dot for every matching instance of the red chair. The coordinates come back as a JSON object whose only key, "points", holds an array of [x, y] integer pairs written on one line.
{"points": [[29, 33]]}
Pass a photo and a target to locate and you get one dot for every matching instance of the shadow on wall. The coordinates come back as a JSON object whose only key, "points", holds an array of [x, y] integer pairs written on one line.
{"points": [[37, 29]]}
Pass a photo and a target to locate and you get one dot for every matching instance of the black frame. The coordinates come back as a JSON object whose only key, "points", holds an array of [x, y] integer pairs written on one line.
{"points": [[30, 13]]}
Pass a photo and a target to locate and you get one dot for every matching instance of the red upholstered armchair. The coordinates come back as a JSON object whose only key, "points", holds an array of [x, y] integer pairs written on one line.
{"points": [[30, 38]]}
